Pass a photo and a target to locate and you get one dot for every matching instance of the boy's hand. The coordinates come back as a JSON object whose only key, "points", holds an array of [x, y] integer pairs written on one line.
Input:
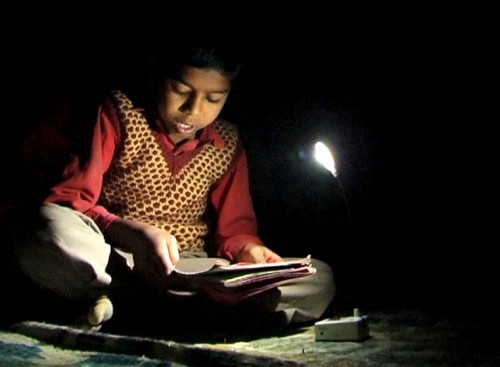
{"points": [[158, 248], [155, 251], [254, 253]]}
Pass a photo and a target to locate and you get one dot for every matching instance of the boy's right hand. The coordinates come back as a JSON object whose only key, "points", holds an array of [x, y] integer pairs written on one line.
{"points": [[155, 251]]}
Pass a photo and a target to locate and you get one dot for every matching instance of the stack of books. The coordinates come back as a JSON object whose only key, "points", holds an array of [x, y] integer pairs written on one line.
{"points": [[230, 283]]}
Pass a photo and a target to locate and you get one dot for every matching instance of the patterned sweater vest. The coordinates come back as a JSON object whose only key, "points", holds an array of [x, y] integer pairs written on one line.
{"points": [[141, 186]]}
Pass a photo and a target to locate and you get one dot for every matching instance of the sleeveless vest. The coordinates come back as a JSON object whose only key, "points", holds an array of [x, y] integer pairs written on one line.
{"points": [[141, 186]]}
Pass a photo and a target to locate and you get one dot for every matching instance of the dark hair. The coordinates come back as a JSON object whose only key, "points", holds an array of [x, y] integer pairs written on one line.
{"points": [[212, 55]]}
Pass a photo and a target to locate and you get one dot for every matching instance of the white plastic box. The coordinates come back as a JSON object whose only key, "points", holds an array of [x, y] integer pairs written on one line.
{"points": [[351, 328]]}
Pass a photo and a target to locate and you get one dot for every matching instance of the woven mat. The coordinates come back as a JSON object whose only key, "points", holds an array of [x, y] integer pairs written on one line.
{"points": [[410, 338]]}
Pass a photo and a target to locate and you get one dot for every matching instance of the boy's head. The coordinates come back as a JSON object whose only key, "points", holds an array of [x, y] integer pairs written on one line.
{"points": [[191, 85]]}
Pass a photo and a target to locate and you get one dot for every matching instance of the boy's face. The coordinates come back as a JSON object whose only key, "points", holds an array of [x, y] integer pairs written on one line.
{"points": [[192, 101]]}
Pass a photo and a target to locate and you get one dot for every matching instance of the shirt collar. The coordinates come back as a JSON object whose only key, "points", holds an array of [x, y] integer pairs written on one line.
{"points": [[210, 135]]}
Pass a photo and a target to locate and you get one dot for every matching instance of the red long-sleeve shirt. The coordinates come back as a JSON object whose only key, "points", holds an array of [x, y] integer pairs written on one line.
{"points": [[230, 196]]}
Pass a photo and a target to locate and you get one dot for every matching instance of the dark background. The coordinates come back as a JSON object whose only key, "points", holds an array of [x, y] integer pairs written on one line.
{"points": [[402, 98]]}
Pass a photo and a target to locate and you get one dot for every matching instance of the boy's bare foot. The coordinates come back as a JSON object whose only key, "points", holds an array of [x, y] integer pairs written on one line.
{"points": [[100, 312]]}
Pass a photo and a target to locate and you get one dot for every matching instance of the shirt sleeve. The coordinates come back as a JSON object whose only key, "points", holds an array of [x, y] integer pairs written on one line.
{"points": [[237, 223], [82, 181]]}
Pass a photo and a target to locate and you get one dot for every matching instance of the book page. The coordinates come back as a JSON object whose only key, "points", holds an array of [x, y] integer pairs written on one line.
{"points": [[243, 266], [197, 266]]}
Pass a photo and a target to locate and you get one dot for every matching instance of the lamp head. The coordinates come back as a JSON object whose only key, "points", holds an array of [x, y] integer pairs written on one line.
{"points": [[323, 155]]}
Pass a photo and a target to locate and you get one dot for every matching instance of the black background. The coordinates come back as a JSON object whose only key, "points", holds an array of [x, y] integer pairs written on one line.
{"points": [[401, 94]]}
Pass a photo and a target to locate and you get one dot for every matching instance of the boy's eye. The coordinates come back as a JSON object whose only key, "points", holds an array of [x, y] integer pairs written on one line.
{"points": [[180, 88], [214, 100]]}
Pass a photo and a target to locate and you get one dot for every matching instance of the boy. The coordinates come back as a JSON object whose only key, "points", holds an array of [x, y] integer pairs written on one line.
{"points": [[160, 168]]}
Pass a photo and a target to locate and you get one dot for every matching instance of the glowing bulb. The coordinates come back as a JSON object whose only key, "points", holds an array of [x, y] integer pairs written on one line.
{"points": [[323, 155]]}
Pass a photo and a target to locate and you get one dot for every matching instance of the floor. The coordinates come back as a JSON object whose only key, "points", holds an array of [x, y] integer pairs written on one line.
{"points": [[402, 337]]}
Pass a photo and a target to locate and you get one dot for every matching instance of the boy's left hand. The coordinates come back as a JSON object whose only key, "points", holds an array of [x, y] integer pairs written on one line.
{"points": [[254, 253]]}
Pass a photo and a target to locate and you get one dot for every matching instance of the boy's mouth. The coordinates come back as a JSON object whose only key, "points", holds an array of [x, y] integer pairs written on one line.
{"points": [[184, 128]]}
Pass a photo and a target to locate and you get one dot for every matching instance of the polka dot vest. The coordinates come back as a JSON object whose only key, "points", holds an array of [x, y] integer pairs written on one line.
{"points": [[140, 185]]}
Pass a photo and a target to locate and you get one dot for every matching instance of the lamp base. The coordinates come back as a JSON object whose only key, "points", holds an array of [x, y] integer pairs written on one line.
{"points": [[352, 328]]}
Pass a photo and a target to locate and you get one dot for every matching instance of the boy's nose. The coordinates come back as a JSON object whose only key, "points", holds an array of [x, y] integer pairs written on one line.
{"points": [[192, 106]]}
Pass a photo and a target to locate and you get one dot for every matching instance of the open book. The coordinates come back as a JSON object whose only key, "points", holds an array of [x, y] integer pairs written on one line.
{"points": [[229, 283]]}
